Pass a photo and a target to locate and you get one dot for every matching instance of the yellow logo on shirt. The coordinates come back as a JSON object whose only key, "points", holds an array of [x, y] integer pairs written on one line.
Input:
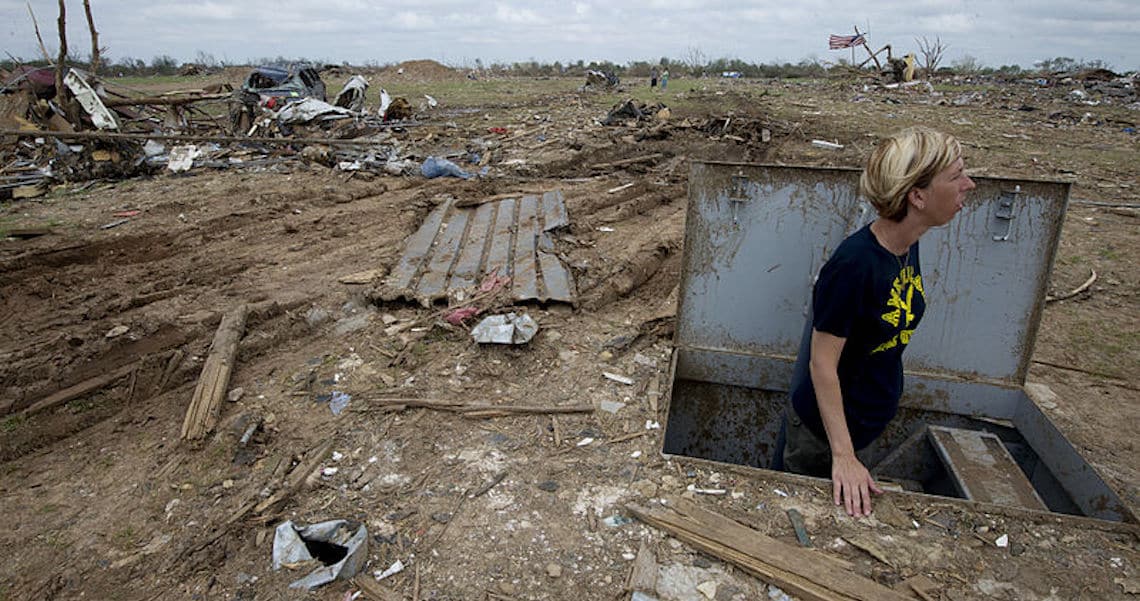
{"points": [[899, 305]]}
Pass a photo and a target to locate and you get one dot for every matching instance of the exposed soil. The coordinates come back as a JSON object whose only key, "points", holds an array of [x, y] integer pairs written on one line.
{"points": [[101, 500]]}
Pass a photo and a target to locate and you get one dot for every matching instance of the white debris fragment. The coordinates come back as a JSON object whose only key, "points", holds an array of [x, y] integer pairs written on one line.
{"points": [[652, 425], [395, 568], [585, 441], [1002, 541], [826, 144], [618, 378], [705, 491], [780, 492]]}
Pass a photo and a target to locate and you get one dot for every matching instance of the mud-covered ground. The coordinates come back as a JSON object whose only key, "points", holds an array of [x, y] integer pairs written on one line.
{"points": [[101, 500]]}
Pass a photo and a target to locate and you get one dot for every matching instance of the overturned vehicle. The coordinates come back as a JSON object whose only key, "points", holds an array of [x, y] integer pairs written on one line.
{"points": [[272, 88]]}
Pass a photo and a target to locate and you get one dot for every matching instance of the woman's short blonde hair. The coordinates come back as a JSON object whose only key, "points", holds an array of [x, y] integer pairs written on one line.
{"points": [[903, 161]]}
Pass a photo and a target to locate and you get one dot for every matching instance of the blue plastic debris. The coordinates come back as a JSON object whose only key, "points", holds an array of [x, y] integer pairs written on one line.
{"points": [[434, 167], [338, 402]]}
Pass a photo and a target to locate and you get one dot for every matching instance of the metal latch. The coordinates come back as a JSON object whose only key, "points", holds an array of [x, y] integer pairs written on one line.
{"points": [[738, 193], [1004, 212]]}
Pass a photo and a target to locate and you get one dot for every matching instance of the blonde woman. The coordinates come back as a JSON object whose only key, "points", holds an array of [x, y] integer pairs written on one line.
{"points": [[867, 301]]}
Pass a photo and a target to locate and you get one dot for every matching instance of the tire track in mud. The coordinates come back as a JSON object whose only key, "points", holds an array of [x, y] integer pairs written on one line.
{"points": [[168, 285]]}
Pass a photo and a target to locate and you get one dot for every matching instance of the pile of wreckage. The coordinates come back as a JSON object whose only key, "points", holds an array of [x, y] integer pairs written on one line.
{"points": [[92, 129]]}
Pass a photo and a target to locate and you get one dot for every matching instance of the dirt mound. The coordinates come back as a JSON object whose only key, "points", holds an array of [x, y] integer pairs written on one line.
{"points": [[423, 69]]}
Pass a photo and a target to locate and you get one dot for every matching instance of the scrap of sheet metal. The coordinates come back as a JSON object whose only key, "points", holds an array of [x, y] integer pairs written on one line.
{"points": [[455, 248]]}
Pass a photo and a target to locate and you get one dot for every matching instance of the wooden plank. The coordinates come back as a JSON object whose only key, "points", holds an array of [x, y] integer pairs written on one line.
{"points": [[524, 281], [983, 469], [77, 390], [434, 281], [416, 252], [466, 273], [802, 572], [202, 415], [499, 255]]}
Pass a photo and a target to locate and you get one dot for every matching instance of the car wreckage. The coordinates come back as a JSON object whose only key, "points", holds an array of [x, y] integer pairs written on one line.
{"points": [[273, 87]]}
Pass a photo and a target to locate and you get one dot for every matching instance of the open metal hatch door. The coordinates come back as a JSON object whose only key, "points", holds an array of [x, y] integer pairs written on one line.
{"points": [[756, 236]]}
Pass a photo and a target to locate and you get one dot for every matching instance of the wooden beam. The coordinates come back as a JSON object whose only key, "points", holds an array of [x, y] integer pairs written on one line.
{"points": [[807, 574], [202, 415], [75, 391]]}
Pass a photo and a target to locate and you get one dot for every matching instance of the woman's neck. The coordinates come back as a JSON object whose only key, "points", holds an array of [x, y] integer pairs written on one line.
{"points": [[897, 236]]}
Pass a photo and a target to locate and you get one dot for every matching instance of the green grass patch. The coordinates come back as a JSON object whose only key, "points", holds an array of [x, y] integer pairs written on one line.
{"points": [[82, 405], [12, 423]]}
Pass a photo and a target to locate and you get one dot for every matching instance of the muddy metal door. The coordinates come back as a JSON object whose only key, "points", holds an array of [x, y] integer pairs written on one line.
{"points": [[756, 236]]}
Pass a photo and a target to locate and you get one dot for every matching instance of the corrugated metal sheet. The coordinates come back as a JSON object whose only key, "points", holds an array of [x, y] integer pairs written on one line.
{"points": [[456, 248]]}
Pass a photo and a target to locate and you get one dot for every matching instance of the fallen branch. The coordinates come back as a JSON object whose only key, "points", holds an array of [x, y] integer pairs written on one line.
{"points": [[1074, 291], [489, 485]]}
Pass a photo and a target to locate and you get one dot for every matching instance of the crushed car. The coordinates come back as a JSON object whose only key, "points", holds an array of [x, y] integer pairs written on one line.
{"points": [[272, 88]]}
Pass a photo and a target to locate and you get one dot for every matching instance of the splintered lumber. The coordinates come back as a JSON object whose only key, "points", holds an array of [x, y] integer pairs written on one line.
{"points": [[202, 415], [804, 573], [296, 479]]}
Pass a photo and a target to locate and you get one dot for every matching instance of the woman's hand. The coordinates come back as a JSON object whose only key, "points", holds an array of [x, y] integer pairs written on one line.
{"points": [[852, 485]]}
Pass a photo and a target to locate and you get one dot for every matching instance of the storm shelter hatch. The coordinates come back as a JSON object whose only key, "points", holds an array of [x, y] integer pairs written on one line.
{"points": [[967, 428]]}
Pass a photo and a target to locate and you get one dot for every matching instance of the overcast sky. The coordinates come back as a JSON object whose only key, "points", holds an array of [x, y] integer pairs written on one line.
{"points": [[994, 32]]}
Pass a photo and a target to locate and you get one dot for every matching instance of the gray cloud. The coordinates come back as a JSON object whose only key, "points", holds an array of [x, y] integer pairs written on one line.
{"points": [[995, 33]]}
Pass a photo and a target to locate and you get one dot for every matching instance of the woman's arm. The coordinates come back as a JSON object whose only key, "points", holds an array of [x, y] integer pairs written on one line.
{"points": [[851, 482]]}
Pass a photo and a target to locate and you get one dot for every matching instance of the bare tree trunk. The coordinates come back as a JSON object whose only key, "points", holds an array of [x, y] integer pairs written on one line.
{"points": [[60, 97], [40, 38], [94, 37]]}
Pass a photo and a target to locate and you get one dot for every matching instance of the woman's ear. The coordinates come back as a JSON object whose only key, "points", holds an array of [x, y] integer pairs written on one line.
{"points": [[917, 198]]}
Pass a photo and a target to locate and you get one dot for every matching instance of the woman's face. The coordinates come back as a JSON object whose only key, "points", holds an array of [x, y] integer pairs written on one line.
{"points": [[944, 196]]}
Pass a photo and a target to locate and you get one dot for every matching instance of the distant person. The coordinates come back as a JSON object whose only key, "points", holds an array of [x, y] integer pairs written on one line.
{"points": [[664, 79], [866, 303], [653, 77]]}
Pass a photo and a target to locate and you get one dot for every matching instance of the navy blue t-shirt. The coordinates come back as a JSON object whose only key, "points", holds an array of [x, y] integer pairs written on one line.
{"points": [[867, 295]]}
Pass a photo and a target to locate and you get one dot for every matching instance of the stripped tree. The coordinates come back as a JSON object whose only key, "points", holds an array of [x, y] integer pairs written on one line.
{"points": [[931, 53], [94, 37]]}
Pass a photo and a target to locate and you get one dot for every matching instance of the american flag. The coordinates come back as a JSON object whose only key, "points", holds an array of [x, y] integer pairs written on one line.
{"points": [[837, 42]]}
